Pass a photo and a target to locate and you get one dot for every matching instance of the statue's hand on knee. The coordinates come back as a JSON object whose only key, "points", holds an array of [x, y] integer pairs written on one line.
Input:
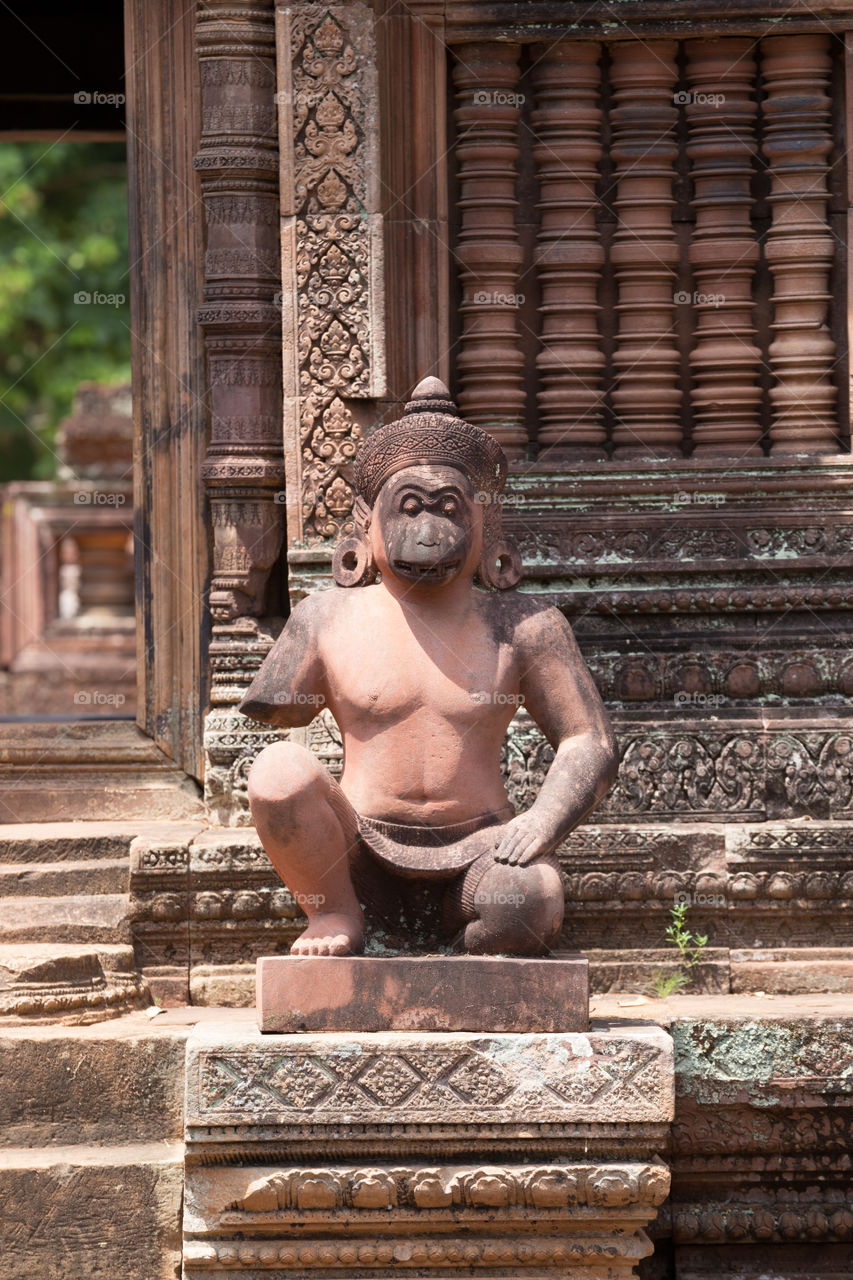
{"points": [[521, 841]]}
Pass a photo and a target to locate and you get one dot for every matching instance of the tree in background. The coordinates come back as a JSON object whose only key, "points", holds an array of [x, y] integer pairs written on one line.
{"points": [[64, 286]]}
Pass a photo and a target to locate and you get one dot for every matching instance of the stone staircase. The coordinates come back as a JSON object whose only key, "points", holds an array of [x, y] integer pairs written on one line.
{"points": [[66, 945], [91, 1157]]}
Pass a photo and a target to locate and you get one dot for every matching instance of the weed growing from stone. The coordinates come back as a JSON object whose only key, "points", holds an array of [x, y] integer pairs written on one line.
{"points": [[690, 947]]}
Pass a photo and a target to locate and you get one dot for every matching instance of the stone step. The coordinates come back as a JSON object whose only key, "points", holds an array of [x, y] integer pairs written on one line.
{"points": [[119, 1081], [98, 1212], [91, 1157], [78, 841], [51, 880], [77, 918], [80, 982]]}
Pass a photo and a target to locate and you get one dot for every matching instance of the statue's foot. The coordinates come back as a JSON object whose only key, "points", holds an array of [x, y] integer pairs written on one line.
{"points": [[331, 934]]}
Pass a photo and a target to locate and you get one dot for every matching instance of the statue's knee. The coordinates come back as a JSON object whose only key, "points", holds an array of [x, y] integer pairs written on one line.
{"points": [[283, 775], [519, 909]]}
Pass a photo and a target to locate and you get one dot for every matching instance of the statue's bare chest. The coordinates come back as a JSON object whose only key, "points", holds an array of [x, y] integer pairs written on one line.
{"points": [[455, 672]]}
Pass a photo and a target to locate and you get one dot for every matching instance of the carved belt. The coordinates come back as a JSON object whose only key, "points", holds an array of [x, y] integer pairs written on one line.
{"points": [[430, 852]]}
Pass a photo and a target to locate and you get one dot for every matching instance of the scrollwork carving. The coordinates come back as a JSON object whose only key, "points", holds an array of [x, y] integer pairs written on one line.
{"points": [[332, 244]]}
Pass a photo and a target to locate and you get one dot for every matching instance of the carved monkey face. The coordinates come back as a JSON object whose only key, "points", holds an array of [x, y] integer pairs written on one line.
{"points": [[427, 527]]}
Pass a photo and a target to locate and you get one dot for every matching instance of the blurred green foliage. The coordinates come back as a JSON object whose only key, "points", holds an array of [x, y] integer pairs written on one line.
{"points": [[63, 238]]}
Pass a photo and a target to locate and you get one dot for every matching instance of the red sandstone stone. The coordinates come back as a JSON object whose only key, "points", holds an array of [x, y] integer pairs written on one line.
{"points": [[423, 993]]}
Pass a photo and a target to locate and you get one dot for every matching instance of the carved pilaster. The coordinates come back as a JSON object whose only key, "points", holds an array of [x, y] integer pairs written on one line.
{"points": [[333, 321], [570, 255], [797, 142], [238, 163], [725, 361], [489, 251], [647, 398]]}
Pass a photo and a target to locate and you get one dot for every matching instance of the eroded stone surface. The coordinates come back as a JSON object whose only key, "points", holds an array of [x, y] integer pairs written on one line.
{"points": [[98, 1215], [117, 1082], [445, 993]]}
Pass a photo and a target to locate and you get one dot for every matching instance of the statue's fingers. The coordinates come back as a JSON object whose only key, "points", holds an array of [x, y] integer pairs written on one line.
{"points": [[504, 845], [516, 847], [526, 849]]}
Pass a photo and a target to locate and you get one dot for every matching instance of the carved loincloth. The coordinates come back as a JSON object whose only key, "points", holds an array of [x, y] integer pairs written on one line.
{"points": [[430, 853]]}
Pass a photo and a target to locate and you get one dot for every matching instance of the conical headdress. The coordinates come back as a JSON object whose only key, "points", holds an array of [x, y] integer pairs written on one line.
{"points": [[431, 430]]}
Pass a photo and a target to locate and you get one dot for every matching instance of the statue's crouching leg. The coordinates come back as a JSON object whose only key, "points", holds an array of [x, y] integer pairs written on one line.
{"points": [[509, 910], [308, 828]]}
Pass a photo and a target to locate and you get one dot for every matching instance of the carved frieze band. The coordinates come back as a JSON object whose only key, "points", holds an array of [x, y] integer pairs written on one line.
{"points": [[765, 1217], [727, 537], [332, 305], [735, 773], [497, 1080], [582, 1215], [707, 680], [454, 1254], [238, 164], [416, 1190], [752, 773]]}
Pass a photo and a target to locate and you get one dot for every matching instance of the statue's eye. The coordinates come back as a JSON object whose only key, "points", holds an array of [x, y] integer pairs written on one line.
{"points": [[448, 507], [410, 506]]}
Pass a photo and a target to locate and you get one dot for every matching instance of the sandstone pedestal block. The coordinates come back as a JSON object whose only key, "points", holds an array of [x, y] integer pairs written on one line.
{"points": [[424, 993], [428, 1153]]}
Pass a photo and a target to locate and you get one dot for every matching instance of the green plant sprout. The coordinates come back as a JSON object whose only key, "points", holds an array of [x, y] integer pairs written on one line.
{"points": [[668, 984], [690, 947]]}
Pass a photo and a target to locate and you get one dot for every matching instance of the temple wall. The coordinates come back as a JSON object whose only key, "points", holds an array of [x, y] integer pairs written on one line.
{"points": [[756, 1150]]}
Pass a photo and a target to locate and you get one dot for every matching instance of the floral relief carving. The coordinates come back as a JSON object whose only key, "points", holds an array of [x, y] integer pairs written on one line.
{"points": [[489, 1187], [333, 247]]}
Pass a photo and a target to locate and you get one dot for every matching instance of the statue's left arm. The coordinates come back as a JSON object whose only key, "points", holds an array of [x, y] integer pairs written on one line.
{"points": [[560, 694]]}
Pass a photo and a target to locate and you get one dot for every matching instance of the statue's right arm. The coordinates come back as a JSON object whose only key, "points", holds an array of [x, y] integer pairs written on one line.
{"points": [[290, 687]]}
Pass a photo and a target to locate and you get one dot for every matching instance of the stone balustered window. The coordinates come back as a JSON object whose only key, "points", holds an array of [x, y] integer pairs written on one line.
{"points": [[649, 246]]}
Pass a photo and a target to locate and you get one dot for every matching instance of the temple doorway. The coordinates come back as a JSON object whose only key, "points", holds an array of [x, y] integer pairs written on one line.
{"points": [[67, 610]]}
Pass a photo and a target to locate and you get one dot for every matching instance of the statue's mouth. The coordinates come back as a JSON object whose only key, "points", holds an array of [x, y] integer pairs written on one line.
{"points": [[426, 572]]}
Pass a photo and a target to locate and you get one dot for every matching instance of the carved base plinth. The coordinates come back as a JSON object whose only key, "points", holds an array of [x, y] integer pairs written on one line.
{"points": [[433, 1154], [424, 993], [74, 981]]}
